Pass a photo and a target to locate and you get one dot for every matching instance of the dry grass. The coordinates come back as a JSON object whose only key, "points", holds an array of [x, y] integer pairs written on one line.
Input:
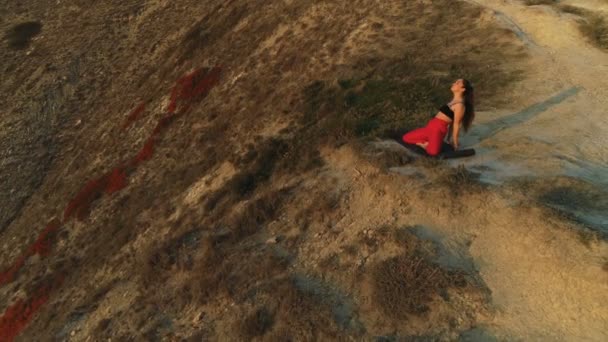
{"points": [[257, 213], [222, 271], [158, 263], [301, 316], [539, 2], [568, 199], [406, 284], [257, 324], [335, 109], [322, 208], [594, 26]]}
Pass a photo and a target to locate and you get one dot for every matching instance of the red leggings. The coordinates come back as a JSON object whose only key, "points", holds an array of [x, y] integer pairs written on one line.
{"points": [[433, 133]]}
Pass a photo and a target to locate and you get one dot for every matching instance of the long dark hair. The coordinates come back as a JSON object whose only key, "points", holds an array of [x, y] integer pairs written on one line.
{"points": [[469, 103]]}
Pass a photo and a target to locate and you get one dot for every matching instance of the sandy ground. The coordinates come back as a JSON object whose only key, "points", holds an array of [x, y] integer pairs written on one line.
{"points": [[564, 127]]}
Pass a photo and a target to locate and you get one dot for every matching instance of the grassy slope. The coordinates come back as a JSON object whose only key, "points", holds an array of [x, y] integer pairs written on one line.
{"points": [[182, 250]]}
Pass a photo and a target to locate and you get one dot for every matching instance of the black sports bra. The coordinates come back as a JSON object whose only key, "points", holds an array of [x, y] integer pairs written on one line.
{"points": [[445, 109]]}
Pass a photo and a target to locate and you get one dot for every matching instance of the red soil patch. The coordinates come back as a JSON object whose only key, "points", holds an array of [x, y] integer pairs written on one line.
{"points": [[145, 153], [117, 180], [42, 246], [190, 88], [18, 315], [193, 87], [9, 275], [134, 115]]}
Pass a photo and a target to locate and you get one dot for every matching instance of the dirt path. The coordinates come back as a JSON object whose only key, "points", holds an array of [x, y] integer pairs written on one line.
{"points": [[564, 126], [545, 285]]}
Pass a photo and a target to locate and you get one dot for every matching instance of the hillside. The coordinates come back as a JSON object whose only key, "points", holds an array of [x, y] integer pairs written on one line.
{"points": [[222, 170]]}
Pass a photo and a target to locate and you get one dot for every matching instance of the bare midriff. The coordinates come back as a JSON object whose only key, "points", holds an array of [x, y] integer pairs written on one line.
{"points": [[443, 117]]}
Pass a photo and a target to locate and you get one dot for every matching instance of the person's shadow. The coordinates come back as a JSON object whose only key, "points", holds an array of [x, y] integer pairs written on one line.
{"points": [[483, 131]]}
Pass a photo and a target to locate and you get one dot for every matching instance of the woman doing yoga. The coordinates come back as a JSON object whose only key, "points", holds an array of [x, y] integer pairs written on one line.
{"points": [[458, 113]]}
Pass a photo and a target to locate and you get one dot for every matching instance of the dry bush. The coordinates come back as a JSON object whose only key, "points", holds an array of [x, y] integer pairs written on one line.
{"points": [[460, 180], [406, 284], [573, 10], [301, 316], [20, 35], [595, 27], [388, 158], [259, 166], [323, 207], [592, 25], [257, 323], [158, 262], [539, 2], [259, 212], [231, 271], [568, 199]]}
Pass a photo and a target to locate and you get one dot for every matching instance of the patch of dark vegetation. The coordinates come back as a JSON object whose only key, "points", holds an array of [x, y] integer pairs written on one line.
{"points": [[20, 35], [301, 316], [257, 213], [257, 324], [387, 156], [578, 202], [224, 265], [539, 2], [321, 209], [588, 237], [103, 327], [259, 167], [175, 254], [459, 180], [572, 195], [209, 29], [594, 26], [406, 284], [372, 239], [572, 9], [571, 199], [232, 272]]}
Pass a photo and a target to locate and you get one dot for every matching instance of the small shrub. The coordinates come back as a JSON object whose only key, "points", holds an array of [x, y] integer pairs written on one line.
{"points": [[539, 2], [595, 27], [20, 35], [573, 10], [258, 213], [257, 324], [460, 180], [406, 284]]}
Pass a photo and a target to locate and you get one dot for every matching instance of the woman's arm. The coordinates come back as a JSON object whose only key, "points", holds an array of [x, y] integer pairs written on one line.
{"points": [[458, 115]]}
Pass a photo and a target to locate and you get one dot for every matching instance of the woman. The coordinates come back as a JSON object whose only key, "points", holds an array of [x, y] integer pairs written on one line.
{"points": [[460, 112]]}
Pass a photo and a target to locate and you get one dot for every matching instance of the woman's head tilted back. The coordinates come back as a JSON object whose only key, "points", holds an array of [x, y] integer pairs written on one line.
{"points": [[464, 88]]}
